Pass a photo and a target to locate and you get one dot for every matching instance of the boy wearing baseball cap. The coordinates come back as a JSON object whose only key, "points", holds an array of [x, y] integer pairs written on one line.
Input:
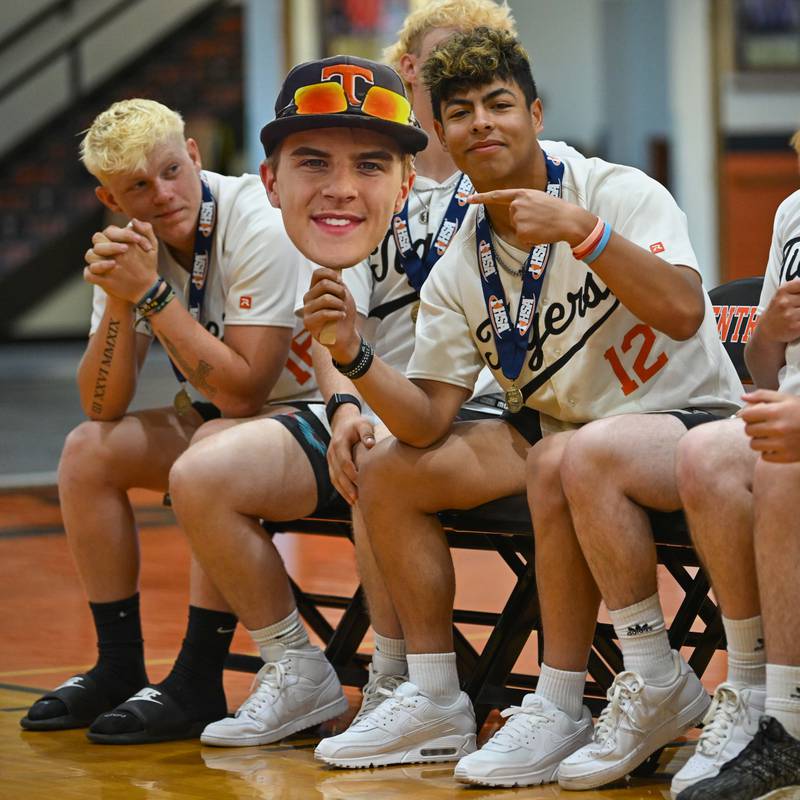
{"points": [[338, 166]]}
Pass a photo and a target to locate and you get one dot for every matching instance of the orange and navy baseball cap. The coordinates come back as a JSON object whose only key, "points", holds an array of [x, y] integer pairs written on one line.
{"points": [[344, 92]]}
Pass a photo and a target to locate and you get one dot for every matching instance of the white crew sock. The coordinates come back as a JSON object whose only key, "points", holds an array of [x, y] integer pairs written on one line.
{"points": [[289, 633], [389, 656], [435, 674], [783, 696], [746, 657], [563, 689], [644, 642]]}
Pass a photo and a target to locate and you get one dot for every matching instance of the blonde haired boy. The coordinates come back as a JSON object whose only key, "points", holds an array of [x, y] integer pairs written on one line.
{"points": [[206, 267]]}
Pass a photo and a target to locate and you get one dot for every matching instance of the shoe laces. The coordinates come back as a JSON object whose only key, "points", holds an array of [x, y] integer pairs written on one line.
{"points": [[377, 688], [721, 717], [523, 722], [269, 681], [626, 688], [388, 703]]}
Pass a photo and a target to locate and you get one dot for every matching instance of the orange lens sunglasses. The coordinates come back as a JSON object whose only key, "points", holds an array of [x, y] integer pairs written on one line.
{"points": [[329, 98]]}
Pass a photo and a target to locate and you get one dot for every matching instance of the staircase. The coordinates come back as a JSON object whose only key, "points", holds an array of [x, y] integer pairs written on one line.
{"points": [[48, 210]]}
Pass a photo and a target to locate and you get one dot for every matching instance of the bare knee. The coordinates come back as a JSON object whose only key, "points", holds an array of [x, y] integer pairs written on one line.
{"points": [[85, 455], [589, 458], [193, 483], [712, 460], [385, 479], [543, 472]]}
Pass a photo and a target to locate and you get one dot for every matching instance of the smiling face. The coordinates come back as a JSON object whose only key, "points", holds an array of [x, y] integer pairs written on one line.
{"points": [[165, 192], [490, 132], [337, 189]]}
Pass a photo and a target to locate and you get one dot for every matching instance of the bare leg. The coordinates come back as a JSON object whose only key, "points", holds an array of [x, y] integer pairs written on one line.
{"points": [[220, 488], [401, 488], [777, 546], [612, 470], [715, 477], [99, 463], [562, 575], [382, 614]]}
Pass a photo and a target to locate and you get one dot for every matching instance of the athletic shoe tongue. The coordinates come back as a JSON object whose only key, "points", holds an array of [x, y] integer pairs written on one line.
{"points": [[407, 690], [274, 652]]}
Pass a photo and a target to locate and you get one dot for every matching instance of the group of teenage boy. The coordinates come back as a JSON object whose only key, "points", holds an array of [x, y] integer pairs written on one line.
{"points": [[435, 309]]}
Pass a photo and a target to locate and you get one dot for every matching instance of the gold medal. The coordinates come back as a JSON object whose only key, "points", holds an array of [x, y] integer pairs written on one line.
{"points": [[415, 312], [182, 401], [514, 398]]}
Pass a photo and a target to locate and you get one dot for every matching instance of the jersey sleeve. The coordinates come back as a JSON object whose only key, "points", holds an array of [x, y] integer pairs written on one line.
{"points": [[772, 275], [644, 212], [98, 308], [443, 346], [262, 266], [358, 280]]}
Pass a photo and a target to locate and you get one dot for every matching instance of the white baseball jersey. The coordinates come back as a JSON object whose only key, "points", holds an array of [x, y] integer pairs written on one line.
{"points": [[588, 356], [252, 279], [381, 289], [784, 266]]}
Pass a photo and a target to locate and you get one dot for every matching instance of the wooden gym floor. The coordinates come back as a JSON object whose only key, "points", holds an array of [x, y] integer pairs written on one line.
{"points": [[46, 636]]}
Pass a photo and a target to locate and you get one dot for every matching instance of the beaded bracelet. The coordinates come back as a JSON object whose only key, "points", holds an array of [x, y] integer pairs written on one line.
{"points": [[152, 305], [151, 292], [360, 364]]}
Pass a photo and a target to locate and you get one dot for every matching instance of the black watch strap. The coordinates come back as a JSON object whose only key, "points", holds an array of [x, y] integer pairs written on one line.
{"points": [[339, 400]]}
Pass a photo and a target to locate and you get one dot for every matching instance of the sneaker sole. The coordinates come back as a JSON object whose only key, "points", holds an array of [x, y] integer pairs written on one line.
{"points": [[445, 748], [690, 716], [536, 778], [320, 715]]}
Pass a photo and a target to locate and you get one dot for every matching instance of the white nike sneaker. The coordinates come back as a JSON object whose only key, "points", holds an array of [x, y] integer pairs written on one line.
{"points": [[371, 694], [527, 750], [297, 690], [638, 720], [729, 725], [408, 727]]}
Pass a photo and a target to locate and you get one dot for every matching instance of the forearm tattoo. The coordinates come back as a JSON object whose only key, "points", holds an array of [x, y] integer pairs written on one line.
{"points": [[195, 375], [105, 366]]}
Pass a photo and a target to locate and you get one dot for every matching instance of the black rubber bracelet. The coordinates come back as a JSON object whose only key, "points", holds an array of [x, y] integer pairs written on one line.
{"points": [[338, 400], [360, 364]]}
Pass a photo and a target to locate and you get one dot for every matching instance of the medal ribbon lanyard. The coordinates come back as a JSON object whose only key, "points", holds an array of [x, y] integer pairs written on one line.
{"points": [[512, 343], [202, 260], [415, 268]]}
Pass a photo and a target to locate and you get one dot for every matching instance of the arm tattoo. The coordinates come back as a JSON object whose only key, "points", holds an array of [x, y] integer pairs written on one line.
{"points": [[196, 376], [105, 366]]}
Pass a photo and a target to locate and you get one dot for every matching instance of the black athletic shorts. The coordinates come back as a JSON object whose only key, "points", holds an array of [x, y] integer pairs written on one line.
{"points": [[525, 421], [692, 417], [207, 411], [314, 438]]}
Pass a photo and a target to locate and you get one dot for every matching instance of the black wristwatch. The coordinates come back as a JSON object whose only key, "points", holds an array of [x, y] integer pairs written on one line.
{"points": [[339, 400]]}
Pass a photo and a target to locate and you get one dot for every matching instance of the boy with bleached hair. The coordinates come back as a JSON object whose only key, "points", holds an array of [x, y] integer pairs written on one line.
{"points": [[205, 266]]}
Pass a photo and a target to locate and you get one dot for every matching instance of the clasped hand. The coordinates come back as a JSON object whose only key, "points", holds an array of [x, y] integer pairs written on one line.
{"points": [[123, 261]]}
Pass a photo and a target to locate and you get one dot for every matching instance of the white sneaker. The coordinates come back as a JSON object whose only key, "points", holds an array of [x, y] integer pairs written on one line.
{"points": [[408, 727], [372, 696], [729, 725], [638, 720], [527, 750], [297, 690]]}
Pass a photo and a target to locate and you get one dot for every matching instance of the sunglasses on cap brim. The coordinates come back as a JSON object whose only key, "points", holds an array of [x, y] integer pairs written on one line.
{"points": [[329, 98]]}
